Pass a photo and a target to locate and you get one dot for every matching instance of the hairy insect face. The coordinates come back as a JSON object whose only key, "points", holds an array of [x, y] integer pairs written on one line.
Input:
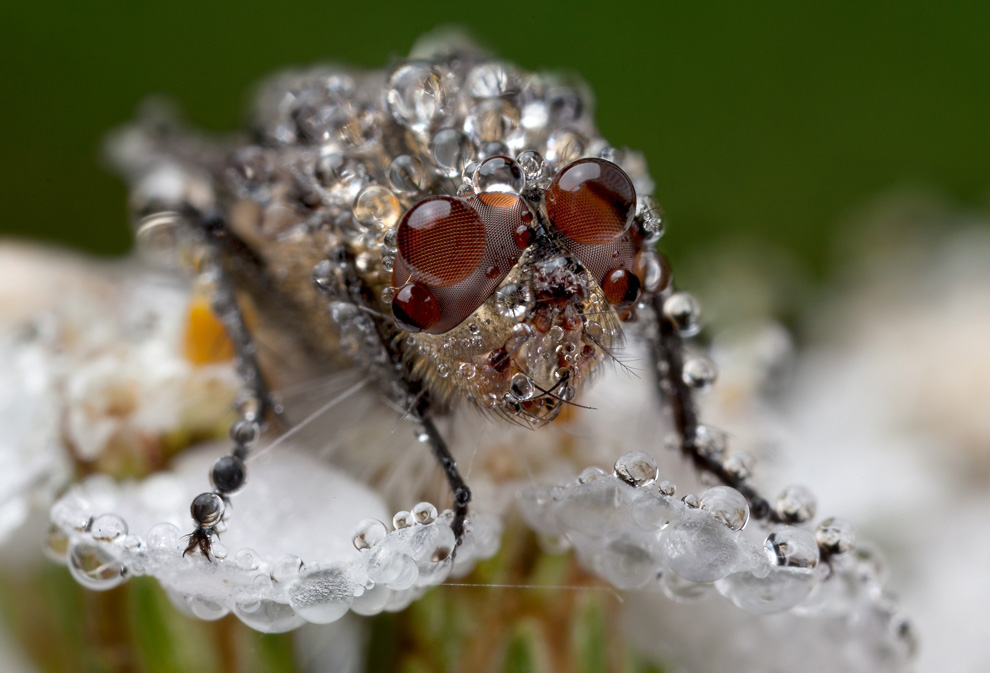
{"points": [[514, 300]]}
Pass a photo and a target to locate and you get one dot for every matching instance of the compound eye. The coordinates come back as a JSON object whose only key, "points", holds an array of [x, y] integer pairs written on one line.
{"points": [[452, 254], [442, 240], [591, 202]]}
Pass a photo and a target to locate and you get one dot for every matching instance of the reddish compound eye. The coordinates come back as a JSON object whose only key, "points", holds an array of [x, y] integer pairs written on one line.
{"points": [[591, 202], [415, 308], [452, 254], [442, 240]]}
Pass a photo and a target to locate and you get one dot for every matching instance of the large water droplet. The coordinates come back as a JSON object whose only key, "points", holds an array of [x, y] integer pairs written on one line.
{"points": [[322, 596]]}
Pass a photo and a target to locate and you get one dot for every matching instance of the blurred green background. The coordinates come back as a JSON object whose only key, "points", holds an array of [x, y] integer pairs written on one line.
{"points": [[765, 121]]}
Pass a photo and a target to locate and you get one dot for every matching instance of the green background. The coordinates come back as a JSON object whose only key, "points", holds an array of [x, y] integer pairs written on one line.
{"points": [[759, 120]]}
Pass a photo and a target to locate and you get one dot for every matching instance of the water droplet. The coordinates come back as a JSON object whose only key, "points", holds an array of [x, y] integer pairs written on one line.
{"points": [[491, 120], [406, 174], [835, 536], [796, 504], [424, 513], [499, 174], [95, 566], [416, 96], [403, 519], [684, 312], [369, 533], [492, 80], [451, 151], [322, 596], [514, 300], [341, 176], [268, 616], [522, 387], [740, 465], [108, 527], [699, 373], [727, 505], [466, 370], [286, 568], [247, 560], [792, 547], [700, 549], [565, 146], [590, 474], [163, 537], [533, 165], [377, 207], [636, 468]]}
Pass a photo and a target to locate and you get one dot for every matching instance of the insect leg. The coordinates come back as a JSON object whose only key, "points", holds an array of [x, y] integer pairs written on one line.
{"points": [[381, 352], [255, 405], [668, 353]]}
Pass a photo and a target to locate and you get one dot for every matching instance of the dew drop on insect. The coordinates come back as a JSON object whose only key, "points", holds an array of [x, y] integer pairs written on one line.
{"points": [[739, 464], [499, 174], [835, 535], [369, 533], [521, 387], [491, 80], [491, 120], [565, 146], [621, 288], [342, 176], [467, 370], [451, 151], [377, 207], [95, 566], [406, 174], [415, 308], [684, 312], [727, 505], [416, 96], [699, 372], [636, 468], [514, 300], [533, 165], [795, 504]]}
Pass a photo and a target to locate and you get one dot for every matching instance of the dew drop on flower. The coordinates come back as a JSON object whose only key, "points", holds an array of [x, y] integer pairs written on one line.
{"points": [[424, 513], [792, 547], [94, 566], [322, 596], [727, 505], [636, 468], [268, 616], [369, 533], [700, 549], [108, 527]]}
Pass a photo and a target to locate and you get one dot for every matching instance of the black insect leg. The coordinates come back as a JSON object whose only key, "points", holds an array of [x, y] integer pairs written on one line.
{"points": [[668, 352], [462, 494], [381, 353], [255, 406]]}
